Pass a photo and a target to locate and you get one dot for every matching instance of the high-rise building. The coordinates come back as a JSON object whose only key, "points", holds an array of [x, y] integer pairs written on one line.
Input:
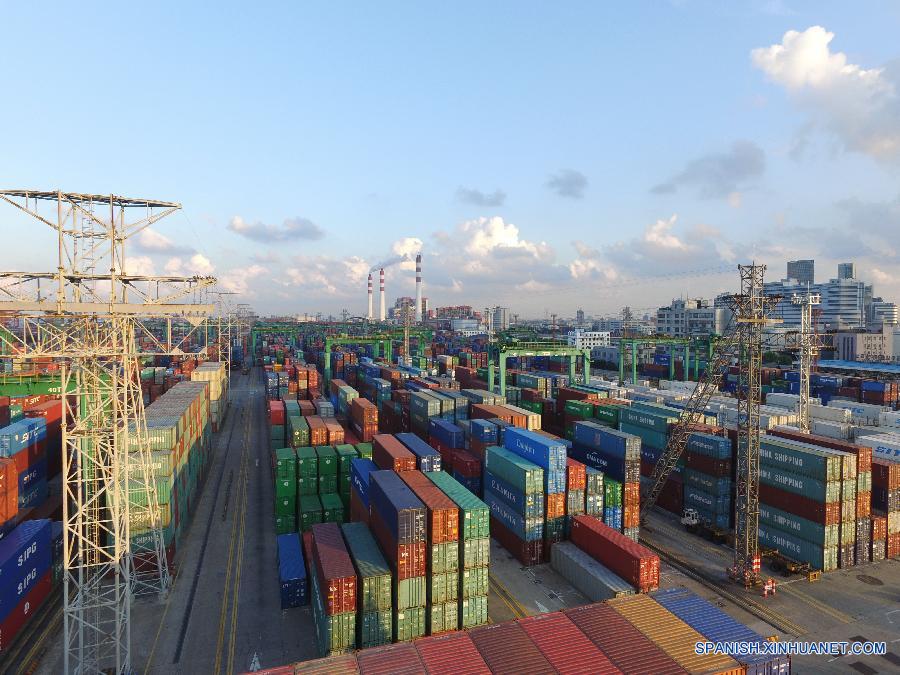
{"points": [[692, 316], [803, 271], [847, 270], [579, 317], [585, 339], [884, 312], [499, 318]]}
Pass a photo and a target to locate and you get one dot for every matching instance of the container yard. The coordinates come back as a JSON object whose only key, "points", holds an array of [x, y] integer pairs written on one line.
{"points": [[473, 537]]}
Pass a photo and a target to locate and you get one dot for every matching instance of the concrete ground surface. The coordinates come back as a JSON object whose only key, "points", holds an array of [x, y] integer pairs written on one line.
{"points": [[223, 613]]}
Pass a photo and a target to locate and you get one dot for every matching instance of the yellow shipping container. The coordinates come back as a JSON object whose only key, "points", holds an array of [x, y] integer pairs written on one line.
{"points": [[672, 635]]}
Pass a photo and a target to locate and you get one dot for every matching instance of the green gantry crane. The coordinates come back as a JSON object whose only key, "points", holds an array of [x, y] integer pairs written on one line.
{"points": [[695, 345], [513, 348]]}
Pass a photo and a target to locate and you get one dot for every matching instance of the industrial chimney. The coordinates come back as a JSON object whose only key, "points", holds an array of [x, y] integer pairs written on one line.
{"points": [[419, 288], [382, 314], [369, 313]]}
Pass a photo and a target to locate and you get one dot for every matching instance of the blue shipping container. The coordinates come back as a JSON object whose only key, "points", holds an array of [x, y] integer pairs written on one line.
{"points": [[24, 558], [22, 434], [718, 504], [484, 431], [527, 529], [716, 626], [291, 571], [545, 452], [360, 468], [448, 434], [614, 467], [611, 441], [34, 496], [530, 506], [612, 516], [398, 506], [427, 458], [708, 445], [34, 473], [554, 482]]}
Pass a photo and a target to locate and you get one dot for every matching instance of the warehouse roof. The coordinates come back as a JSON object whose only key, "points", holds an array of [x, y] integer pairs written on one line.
{"points": [[862, 366]]}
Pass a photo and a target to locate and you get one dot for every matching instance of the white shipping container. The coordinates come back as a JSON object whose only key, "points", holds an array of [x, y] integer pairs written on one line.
{"points": [[830, 429], [823, 412], [595, 581], [786, 400], [884, 446], [861, 413], [889, 419]]}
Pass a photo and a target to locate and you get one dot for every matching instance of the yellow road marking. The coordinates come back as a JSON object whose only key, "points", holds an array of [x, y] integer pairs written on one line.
{"points": [[518, 609], [162, 621], [50, 628]]}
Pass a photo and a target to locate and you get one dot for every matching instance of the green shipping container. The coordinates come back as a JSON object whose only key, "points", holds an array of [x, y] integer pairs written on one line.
{"points": [[364, 450], [328, 484], [800, 485], [474, 514], [276, 431], [344, 484], [608, 414], [332, 508], [345, 453], [444, 557], [822, 535], [285, 524], [374, 576], [307, 471], [375, 629], [409, 624], [409, 593], [802, 460], [555, 529], [656, 421], [442, 587], [286, 505], [521, 474], [285, 487], [612, 492], [286, 464], [299, 431], [473, 612], [649, 437], [579, 408], [335, 634], [824, 559], [443, 617], [310, 512], [474, 581], [475, 553], [327, 460]]}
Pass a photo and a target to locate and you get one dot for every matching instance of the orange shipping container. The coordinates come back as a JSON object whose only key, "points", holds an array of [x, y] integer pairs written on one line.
{"points": [[318, 432], [9, 489], [335, 431]]}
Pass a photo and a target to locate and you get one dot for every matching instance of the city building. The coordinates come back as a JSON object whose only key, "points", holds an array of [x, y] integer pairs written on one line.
{"points": [[690, 317], [579, 317], [499, 318], [456, 312], [588, 339], [884, 312], [466, 326], [803, 271], [863, 346], [847, 302]]}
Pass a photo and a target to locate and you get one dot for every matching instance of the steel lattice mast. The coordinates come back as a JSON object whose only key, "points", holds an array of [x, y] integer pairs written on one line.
{"points": [[809, 349], [751, 311], [88, 316]]}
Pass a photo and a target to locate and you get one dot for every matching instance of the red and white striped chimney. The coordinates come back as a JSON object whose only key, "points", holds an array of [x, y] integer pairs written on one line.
{"points": [[369, 313], [382, 315], [419, 288]]}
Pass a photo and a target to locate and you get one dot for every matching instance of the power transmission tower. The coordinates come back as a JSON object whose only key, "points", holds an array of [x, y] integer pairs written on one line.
{"points": [[751, 309], [808, 344], [89, 321]]}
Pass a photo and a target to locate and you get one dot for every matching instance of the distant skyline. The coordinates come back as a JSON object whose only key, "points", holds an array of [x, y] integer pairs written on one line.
{"points": [[539, 156]]}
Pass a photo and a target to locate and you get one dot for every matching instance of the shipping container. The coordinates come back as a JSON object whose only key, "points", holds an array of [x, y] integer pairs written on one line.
{"points": [[623, 644], [402, 512], [451, 654], [389, 453], [507, 650], [334, 569], [442, 514], [567, 649], [291, 571], [474, 514], [635, 563], [398, 659], [427, 458], [593, 580], [547, 453]]}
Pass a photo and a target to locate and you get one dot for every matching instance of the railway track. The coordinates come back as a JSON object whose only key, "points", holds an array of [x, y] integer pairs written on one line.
{"points": [[773, 618]]}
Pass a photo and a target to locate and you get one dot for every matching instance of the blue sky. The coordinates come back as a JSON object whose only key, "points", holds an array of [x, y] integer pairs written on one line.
{"points": [[540, 155]]}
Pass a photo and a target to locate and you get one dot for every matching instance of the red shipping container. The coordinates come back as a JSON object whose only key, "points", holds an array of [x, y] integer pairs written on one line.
{"points": [[526, 552], [631, 516], [555, 505], [465, 463], [276, 413], [406, 560], [713, 467], [336, 574], [9, 489], [364, 412], [623, 644], [637, 564], [442, 512], [632, 496], [863, 453], [359, 512], [397, 659], [863, 504], [671, 498], [818, 512], [885, 474], [23, 611], [451, 654], [507, 650], [389, 453], [893, 545], [318, 431], [879, 525], [565, 646], [335, 431], [576, 475]]}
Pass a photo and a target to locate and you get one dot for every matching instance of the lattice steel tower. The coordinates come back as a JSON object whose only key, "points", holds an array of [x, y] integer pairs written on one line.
{"points": [[88, 317], [808, 345], [751, 309]]}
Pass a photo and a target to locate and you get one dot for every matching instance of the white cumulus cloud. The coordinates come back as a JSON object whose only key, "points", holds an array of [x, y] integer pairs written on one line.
{"points": [[859, 105]]}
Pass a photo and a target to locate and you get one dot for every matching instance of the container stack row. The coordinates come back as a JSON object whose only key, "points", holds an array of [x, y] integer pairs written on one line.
{"points": [[635, 634]]}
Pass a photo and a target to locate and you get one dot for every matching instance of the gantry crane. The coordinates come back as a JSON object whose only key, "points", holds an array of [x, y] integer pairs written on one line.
{"points": [[808, 345], [87, 316], [742, 342]]}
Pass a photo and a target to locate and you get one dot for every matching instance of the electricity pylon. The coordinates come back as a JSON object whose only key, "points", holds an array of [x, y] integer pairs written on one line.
{"points": [[88, 317], [808, 345]]}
